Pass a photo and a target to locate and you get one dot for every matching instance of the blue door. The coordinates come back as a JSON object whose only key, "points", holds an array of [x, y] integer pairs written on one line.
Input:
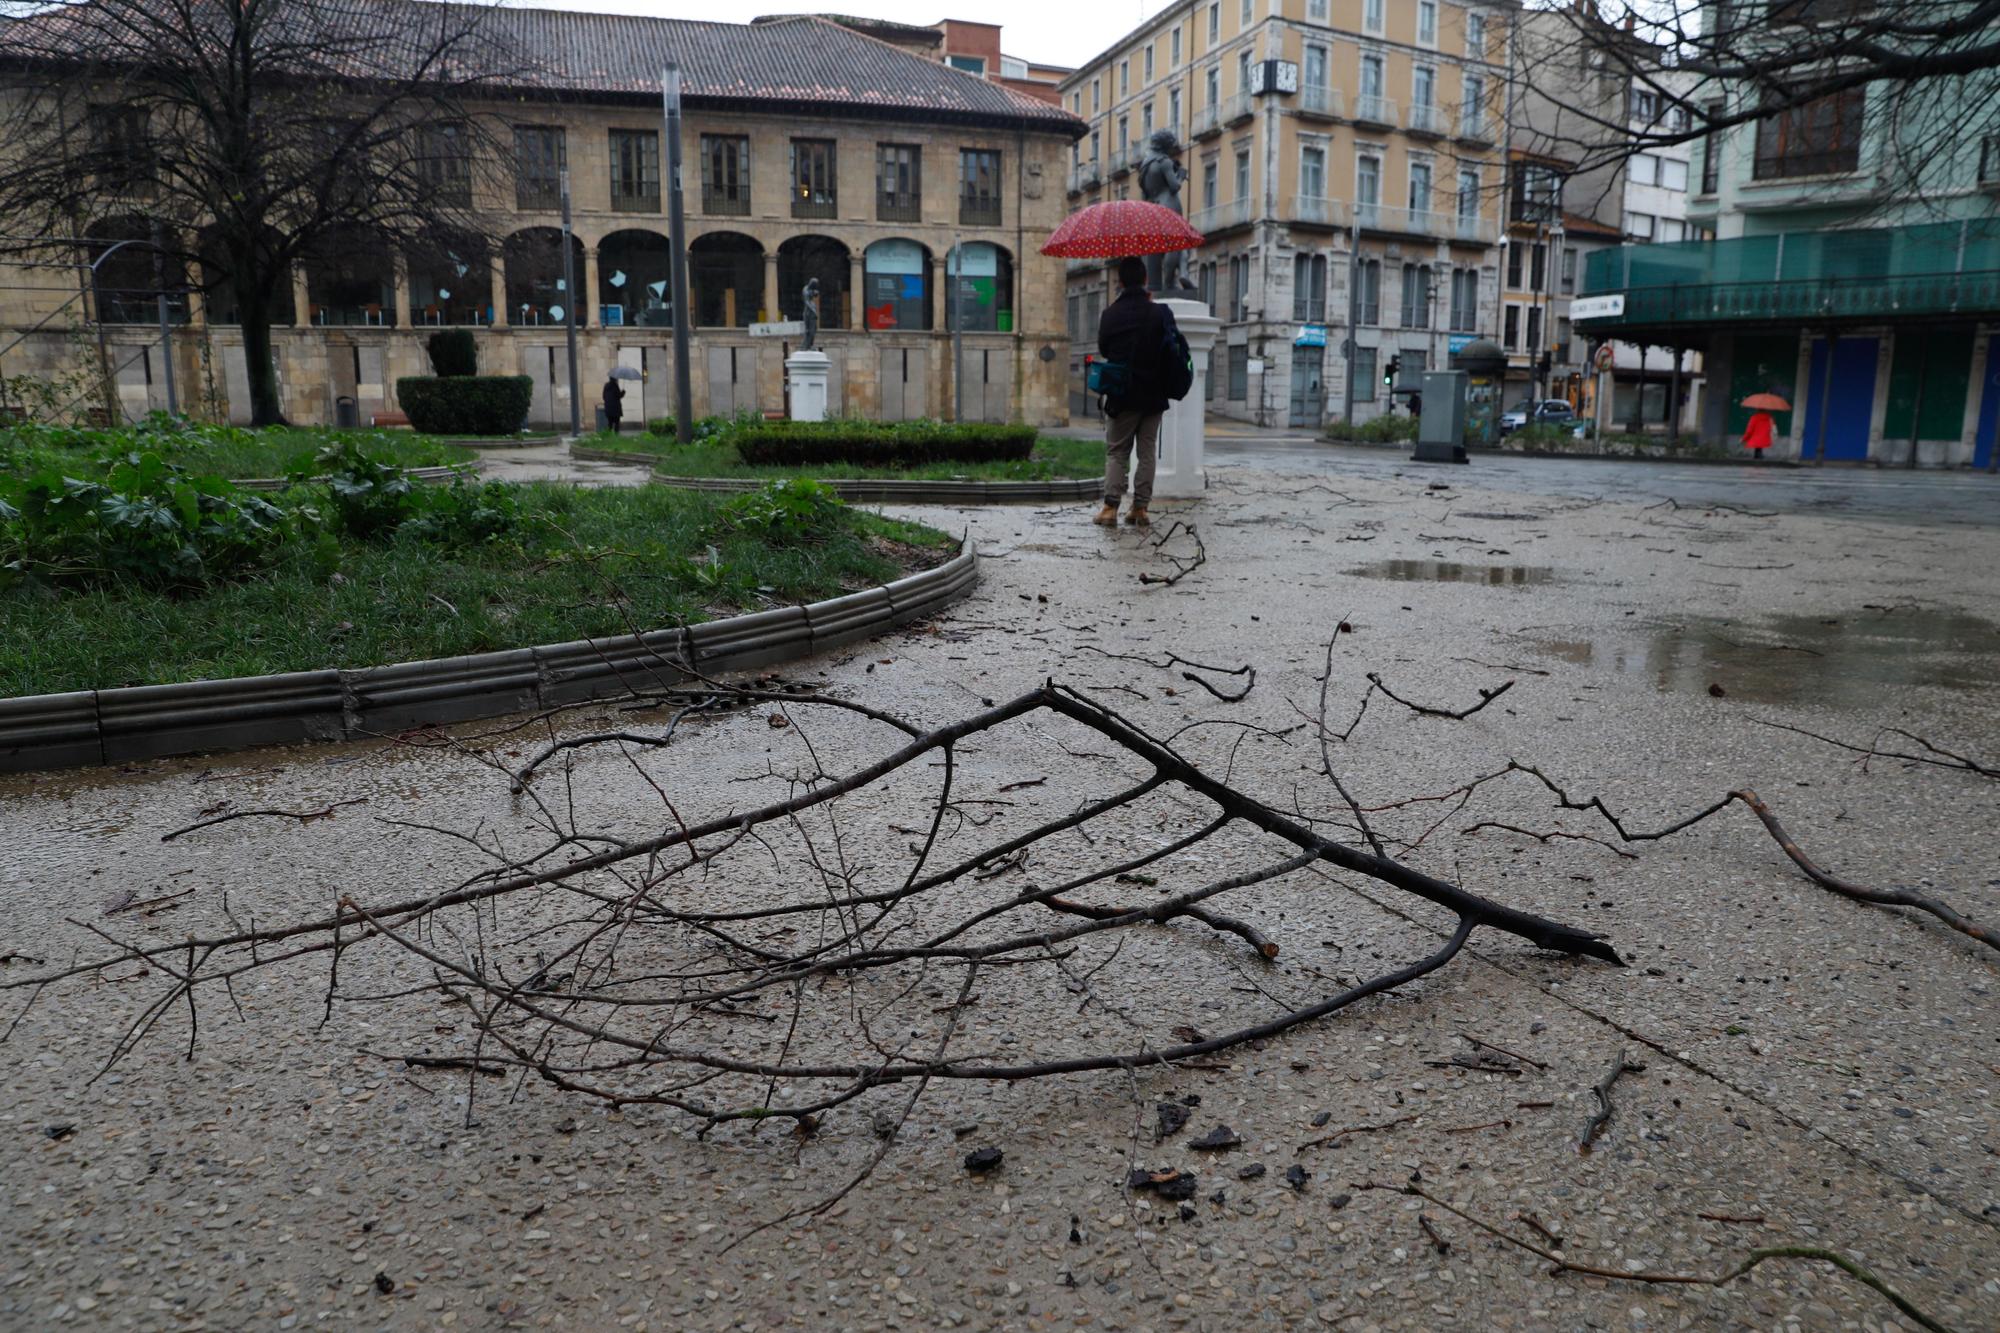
{"points": [[1850, 393], [1989, 407]]}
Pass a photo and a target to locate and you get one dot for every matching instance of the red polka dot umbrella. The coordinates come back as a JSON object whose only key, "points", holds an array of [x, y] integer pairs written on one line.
{"points": [[1121, 227]]}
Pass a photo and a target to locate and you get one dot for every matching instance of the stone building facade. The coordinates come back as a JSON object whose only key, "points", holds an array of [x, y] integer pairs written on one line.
{"points": [[1344, 162], [809, 151]]}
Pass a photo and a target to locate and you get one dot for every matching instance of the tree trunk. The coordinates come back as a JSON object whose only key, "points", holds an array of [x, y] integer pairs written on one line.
{"points": [[254, 300]]}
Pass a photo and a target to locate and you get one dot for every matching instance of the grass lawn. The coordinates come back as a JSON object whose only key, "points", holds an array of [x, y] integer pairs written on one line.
{"points": [[221, 452], [1054, 457], [580, 563]]}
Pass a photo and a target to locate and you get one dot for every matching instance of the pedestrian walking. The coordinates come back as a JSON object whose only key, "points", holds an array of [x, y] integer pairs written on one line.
{"points": [[1758, 434], [614, 404], [1132, 335]]}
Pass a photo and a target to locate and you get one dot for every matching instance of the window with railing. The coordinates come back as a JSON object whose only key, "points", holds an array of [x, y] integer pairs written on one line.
{"points": [[725, 174], [1464, 300], [635, 171], [1309, 288], [1510, 329], [1239, 286], [1535, 193], [979, 187], [1568, 278], [1989, 159], [445, 162], [1208, 174], [1363, 375], [815, 191], [899, 194], [1416, 296], [1819, 138], [1711, 159], [540, 154], [1368, 292]]}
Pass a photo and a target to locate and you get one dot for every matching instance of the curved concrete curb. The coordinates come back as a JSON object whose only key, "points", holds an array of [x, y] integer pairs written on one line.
{"points": [[152, 721], [428, 476], [509, 442], [592, 454], [890, 490]]}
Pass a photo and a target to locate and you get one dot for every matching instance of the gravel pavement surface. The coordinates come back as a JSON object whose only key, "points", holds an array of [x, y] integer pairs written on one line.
{"points": [[1815, 1071]]}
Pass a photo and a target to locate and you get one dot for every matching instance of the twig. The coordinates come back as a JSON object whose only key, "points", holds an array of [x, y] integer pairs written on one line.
{"points": [[1182, 567], [1443, 1245], [1938, 756], [1485, 697], [303, 816], [1338, 1134], [1603, 1090], [1511, 1055], [1750, 1261], [1547, 837]]}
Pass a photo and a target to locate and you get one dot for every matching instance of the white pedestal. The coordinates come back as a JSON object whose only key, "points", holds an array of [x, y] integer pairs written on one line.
{"points": [[805, 379], [1184, 429]]}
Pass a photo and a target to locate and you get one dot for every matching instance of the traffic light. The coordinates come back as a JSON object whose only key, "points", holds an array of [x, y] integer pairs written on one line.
{"points": [[1389, 371]]}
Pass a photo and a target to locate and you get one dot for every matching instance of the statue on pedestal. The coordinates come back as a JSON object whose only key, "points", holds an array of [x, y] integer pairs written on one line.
{"points": [[811, 295], [1161, 176]]}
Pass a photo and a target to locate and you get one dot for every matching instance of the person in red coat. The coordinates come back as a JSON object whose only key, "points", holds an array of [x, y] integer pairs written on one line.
{"points": [[1757, 435]]}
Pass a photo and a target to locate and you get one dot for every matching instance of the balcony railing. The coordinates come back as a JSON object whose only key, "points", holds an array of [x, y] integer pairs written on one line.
{"points": [[979, 212], [1475, 229], [1317, 211], [1235, 213], [1122, 158], [720, 203], [814, 208], [1085, 176], [899, 208], [643, 200], [1425, 119], [1402, 221], [1207, 121], [1372, 110], [1475, 126], [1236, 108], [1320, 102]]}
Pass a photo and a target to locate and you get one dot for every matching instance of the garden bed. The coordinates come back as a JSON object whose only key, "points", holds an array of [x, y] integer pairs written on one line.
{"points": [[477, 569]]}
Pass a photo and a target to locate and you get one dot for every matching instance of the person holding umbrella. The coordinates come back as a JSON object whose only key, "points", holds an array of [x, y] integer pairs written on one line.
{"points": [[614, 395], [1132, 339], [1757, 436]]}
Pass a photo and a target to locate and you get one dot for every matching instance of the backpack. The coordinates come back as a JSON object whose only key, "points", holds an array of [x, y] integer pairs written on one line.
{"points": [[1110, 379], [1176, 361]]}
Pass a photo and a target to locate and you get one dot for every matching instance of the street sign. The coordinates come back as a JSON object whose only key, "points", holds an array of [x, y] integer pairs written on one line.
{"points": [[789, 328], [1597, 307], [1458, 342], [1310, 335]]}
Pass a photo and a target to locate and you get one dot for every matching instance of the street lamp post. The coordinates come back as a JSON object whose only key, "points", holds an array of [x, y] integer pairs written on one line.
{"points": [[670, 93], [569, 311]]}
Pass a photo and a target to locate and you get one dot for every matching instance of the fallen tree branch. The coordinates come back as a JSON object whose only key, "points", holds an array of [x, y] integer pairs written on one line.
{"points": [[1485, 697], [1723, 1279], [1938, 756], [303, 816], [1183, 566]]}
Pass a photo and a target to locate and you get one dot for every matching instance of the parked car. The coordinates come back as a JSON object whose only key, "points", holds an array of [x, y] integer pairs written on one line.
{"points": [[1548, 412]]}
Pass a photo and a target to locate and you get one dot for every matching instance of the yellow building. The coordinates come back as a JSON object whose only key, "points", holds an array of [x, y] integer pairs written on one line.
{"points": [[810, 151], [1344, 161]]}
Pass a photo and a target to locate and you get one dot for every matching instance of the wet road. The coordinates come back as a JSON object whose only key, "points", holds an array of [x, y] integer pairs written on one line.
{"points": [[1931, 497]]}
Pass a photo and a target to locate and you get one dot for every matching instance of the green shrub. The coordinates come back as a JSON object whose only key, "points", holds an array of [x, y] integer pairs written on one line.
{"points": [[705, 428], [147, 523], [879, 444], [1542, 436], [466, 405], [454, 352], [791, 512], [1382, 430]]}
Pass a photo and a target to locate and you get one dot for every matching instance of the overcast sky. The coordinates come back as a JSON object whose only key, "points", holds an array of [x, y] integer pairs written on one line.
{"points": [[1061, 32]]}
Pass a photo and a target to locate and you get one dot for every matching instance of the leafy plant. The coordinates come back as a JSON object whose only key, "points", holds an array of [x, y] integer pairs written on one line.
{"points": [[370, 498], [1381, 430], [791, 512], [705, 428], [464, 514]]}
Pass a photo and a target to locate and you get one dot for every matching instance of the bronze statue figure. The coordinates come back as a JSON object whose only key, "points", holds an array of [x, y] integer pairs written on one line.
{"points": [[1161, 176]]}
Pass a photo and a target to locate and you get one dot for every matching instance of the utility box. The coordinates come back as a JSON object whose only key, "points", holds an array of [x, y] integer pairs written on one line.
{"points": [[1441, 429]]}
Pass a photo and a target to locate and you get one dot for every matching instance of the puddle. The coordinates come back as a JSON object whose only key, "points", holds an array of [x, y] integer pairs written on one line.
{"points": [[1447, 571], [1847, 661]]}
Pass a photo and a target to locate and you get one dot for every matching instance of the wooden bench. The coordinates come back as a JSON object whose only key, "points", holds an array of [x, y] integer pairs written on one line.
{"points": [[382, 419]]}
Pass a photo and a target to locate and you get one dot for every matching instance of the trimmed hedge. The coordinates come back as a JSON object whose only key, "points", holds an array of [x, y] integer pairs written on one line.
{"points": [[880, 444], [454, 352], [466, 404]]}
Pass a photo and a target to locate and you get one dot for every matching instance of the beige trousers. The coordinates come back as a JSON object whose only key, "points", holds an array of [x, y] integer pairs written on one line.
{"points": [[1120, 433]]}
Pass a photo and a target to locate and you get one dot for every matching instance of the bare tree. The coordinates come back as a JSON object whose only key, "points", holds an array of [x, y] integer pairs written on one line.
{"points": [[1599, 84], [257, 135]]}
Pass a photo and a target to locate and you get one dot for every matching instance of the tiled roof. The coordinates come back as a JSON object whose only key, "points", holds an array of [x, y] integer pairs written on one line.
{"points": [[788, 65], [805, 61]]}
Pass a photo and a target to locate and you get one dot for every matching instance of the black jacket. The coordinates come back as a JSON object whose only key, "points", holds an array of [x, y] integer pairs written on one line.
{"points": [[1131, 331], [614, 399]]}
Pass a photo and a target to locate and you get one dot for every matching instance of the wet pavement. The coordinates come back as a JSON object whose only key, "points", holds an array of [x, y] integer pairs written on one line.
{"points": [[553, 463], [1817, 1071], [1923, 496]]}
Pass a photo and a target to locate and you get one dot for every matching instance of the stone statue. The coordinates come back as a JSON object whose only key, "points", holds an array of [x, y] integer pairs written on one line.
{"points": [[811, 295], [1161, 176]]}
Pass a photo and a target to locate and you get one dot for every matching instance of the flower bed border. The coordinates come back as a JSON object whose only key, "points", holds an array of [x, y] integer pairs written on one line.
{"points": [[85, 727]]}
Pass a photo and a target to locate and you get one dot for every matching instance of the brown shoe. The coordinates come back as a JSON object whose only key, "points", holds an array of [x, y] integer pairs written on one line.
{"points": [[1137, 518], [1107, 517]]}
